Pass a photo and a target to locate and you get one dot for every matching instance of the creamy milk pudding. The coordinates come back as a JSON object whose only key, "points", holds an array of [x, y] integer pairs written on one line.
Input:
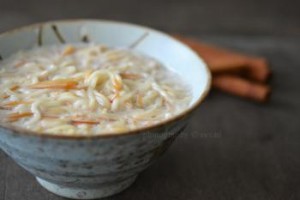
{"points": [[87, 90]]}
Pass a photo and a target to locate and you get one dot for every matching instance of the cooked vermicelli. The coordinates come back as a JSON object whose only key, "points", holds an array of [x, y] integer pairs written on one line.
{"points": [[87, 90]]}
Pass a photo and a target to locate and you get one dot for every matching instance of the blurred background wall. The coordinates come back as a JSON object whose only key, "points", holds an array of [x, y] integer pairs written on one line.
{"points": [[193, 17]]}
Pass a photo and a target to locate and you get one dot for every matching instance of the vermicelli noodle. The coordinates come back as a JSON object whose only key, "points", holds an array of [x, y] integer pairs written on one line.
{"points": [[87, 90]]}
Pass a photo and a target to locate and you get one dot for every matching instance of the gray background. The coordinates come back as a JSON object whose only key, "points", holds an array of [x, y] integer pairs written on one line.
{"points": [[197, 17], [235, 149]]}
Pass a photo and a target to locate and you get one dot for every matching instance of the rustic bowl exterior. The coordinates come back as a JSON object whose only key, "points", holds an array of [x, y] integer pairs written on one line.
{"points": [[88, 168]]}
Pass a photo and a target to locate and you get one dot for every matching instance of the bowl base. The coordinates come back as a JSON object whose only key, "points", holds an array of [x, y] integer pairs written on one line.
{"points": [[79, 193]]}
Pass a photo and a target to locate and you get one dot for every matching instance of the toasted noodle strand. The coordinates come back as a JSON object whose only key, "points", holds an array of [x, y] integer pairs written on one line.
{"points": [[117, 82], [12, 88], [20, 63], [15, 87], [87, 89], [16, 116], [130, 76], [78, 122], [5, 96], [54, 84], [69, 50], [139, 100], [11, 104]]}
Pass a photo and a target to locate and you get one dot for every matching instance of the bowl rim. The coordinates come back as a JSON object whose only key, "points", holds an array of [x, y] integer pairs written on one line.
{"points": [[184, 113]]}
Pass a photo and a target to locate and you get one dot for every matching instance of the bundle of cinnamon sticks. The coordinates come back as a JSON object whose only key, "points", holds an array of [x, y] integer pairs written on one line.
{"points": [[241, 75]]}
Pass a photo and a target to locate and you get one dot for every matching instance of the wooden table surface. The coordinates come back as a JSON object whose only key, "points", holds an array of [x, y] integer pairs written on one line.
{"points": [[234, 149]]}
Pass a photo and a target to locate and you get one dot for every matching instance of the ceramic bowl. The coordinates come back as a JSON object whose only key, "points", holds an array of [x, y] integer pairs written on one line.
{"points": [[82, 167]]}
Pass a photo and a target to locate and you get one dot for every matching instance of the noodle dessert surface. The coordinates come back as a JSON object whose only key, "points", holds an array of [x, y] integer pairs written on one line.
{"points": [[87, 90]]}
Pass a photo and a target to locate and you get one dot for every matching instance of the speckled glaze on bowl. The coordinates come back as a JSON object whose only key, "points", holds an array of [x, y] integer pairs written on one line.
{"points": [[89, 167]]}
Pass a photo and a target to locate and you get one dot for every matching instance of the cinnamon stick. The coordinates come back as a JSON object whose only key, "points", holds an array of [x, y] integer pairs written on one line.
{"points": [[221, 60], [241, 87]]}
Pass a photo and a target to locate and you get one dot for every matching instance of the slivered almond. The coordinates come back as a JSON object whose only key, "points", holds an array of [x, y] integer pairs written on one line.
{"points": [[69, 50], [16, 116], [55, 84], [130, 76]]}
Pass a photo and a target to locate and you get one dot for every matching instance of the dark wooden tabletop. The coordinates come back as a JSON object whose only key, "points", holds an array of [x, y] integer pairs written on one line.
{"points": [[234, 149]]}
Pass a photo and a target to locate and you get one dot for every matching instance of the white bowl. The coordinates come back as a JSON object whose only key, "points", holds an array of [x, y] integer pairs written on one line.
{"points": [[87, 167]]}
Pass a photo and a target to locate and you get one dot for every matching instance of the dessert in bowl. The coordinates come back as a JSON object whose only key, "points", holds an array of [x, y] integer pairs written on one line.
{"points": [[87, 89], [88, 104]]}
